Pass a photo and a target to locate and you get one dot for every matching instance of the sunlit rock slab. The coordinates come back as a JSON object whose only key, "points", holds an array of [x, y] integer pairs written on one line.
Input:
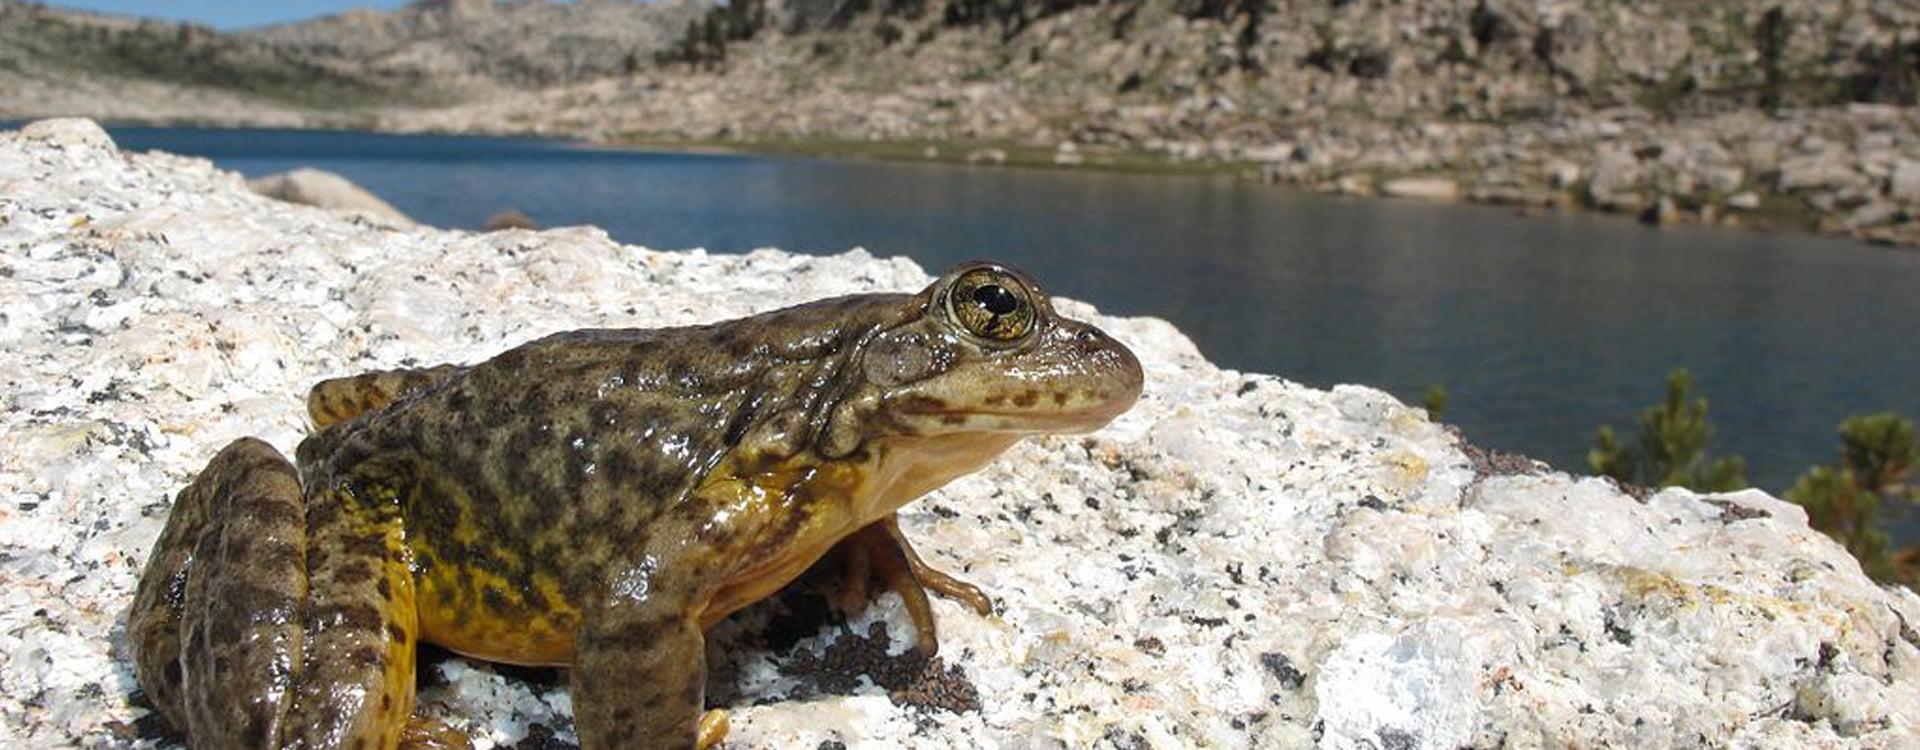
{"points": [[1239, 562]]}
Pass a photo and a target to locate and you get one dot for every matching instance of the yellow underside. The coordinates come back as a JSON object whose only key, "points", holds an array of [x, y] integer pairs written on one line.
{"points": [[841, 498], [838, 497]]}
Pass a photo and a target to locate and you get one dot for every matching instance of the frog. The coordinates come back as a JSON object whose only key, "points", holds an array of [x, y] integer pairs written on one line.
{"points": [[595, 500]]}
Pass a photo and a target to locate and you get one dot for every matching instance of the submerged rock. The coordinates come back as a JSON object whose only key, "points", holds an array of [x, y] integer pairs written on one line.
{"points": [[1428, 188], [319, 187], [1239, 562]]}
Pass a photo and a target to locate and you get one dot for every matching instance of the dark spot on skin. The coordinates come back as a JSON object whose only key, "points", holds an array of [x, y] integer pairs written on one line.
{"points": [[322, 512], [364, 546], [953, 418], [237, 547], [921, 404], [356, 616], [535, 401], [536, 600], [367, 658], [353, 573], [397, 633], [619, 466], [996, 399], [256, 731], [258, 599], [604, 414], [386, 704], [1059, 398], [435, 520], [635, 635], [511, 359], [277, 553], [267, 510], [221, 630], [1026, 398], [496, 600], [740, 347]]}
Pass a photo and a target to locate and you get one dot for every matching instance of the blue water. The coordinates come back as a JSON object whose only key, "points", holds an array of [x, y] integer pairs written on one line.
{"points": [[1540, 327]]}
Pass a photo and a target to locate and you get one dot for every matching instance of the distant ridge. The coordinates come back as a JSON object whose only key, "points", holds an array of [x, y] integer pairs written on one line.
{"points": [[1775, 113], [336, 70]]}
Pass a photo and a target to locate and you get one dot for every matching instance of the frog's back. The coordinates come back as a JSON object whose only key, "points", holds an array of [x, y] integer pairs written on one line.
{"points": [[523, 478]]}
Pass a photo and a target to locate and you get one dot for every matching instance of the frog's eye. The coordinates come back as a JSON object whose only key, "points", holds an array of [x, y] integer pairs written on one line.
{"points": [[992, 305]]}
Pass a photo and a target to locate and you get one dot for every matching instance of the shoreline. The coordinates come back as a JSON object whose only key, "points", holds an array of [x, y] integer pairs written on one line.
{"points": [[1774, 213]]}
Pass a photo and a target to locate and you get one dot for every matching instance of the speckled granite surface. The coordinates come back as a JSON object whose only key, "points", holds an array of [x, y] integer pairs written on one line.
{"points": [[1239, 562]]}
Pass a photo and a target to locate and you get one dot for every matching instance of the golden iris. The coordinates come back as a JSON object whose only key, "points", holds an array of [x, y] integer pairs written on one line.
{"points": [[991, 304]]}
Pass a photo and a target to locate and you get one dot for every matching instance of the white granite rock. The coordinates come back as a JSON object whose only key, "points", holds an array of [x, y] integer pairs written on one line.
{"points": [[1239, 562]]}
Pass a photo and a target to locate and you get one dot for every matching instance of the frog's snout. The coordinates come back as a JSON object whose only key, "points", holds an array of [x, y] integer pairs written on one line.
{"points": [[1112, 379]]}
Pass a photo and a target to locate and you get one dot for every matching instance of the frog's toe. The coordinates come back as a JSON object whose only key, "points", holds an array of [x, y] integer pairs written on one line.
{"points": [[944, 584], [423, 733], [713, 729]]}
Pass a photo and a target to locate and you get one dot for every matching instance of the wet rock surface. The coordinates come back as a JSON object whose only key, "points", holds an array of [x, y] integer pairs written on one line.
{"points": [[1240, 561]]}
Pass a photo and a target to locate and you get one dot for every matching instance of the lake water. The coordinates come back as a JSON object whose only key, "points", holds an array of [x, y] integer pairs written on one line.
{"points": [[1540, 328]]}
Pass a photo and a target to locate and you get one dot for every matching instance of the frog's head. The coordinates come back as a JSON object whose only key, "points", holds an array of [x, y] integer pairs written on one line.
{"points": [[982, 351]]}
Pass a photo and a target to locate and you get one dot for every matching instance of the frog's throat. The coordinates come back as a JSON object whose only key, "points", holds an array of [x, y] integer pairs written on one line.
{"points": [[781, 516]]}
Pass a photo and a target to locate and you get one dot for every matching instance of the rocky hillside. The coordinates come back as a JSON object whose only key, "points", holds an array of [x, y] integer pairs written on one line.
{"points": [[328, 71], [478, 45], [1794, 112]]}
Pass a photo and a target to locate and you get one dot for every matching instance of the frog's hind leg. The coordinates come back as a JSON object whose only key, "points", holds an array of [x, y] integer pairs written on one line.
{"points": [[264, 620], [215, 620], [356, 687], [879, 549], [341, 399]]}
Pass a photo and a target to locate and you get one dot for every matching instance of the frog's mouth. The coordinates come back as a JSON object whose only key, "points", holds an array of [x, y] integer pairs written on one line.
{"points": [[1059, 412]]}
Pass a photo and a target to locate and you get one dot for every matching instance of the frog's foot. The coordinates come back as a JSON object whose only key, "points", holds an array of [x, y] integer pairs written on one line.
{"points": [[267, 620], [423, 733], [880, 550], [341, 399]]}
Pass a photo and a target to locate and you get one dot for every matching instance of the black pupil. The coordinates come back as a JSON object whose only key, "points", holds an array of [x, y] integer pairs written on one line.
{"points": [[996, 299]]}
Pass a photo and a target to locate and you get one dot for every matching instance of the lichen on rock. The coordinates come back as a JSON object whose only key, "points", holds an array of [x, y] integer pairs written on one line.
{"points": [[1239, 562]]}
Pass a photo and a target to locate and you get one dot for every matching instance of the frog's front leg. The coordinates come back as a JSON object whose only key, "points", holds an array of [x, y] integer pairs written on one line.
{"points": [[880, 550], [639, 673], [267, 618]]}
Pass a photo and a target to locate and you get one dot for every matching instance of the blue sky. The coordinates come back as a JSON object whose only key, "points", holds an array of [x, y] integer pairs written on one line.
{"points": [[226, 14]]}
